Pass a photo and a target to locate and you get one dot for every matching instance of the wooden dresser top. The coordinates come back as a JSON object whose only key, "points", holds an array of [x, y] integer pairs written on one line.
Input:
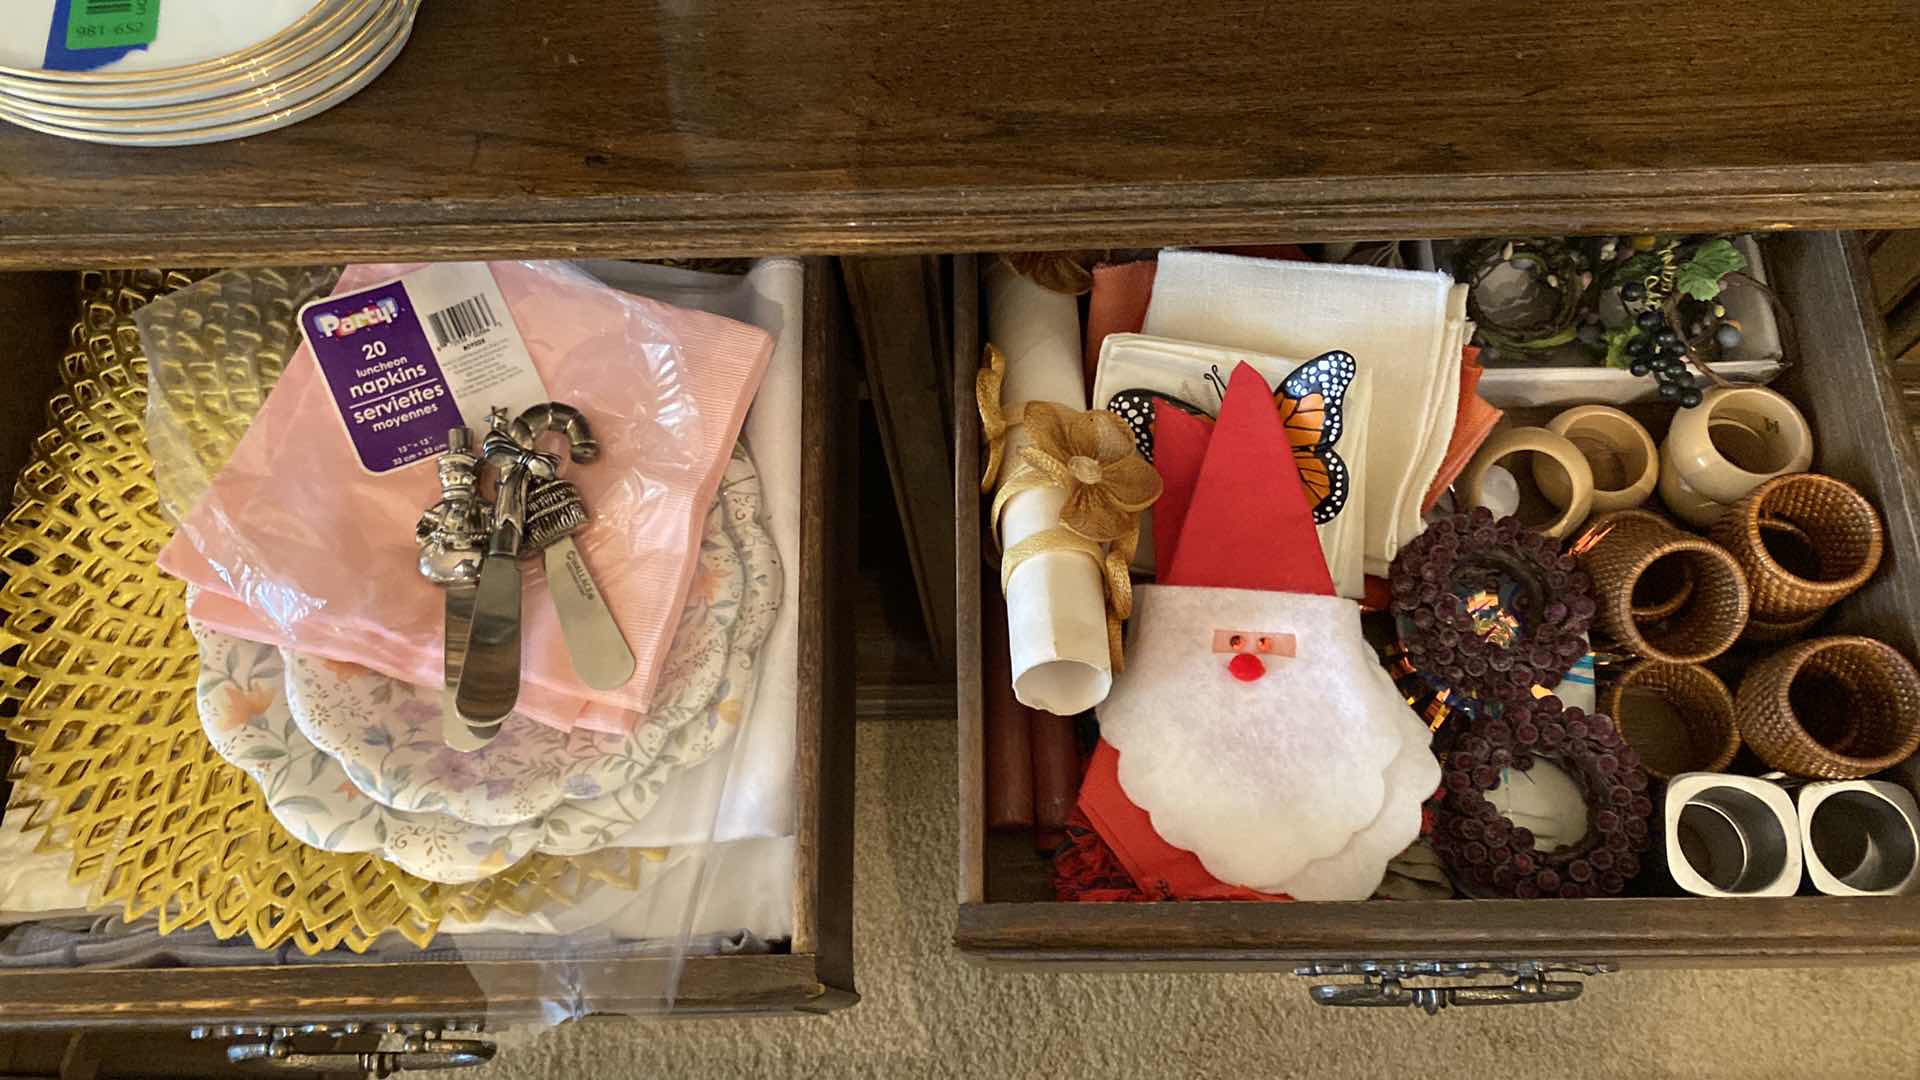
{"points": [[570, 127]]}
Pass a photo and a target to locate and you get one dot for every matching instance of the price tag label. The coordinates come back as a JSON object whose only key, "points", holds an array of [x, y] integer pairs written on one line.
{"points": [[109, 24]]}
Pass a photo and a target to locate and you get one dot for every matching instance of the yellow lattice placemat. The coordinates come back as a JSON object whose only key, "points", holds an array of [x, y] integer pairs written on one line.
{"points": [[102, 684]]}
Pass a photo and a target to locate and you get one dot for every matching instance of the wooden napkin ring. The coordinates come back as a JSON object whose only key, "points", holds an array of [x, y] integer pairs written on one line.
{"points": [[1628, 546], [1487, 854], [1575, 490], [1691, 730], [1735, 439], [1833, 708], [1804, 541], [1622, 456]]}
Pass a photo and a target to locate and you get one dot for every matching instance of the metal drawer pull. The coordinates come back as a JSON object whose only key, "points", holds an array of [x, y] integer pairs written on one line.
{"points": [[418, 1054], [402, 1047], [1385, 984]]}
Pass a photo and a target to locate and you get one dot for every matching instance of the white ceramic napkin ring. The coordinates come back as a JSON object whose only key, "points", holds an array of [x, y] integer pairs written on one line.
{"points": [[1622, 455], [1731, 836], [1737, 437], [1860, 837], [1577, 489]]}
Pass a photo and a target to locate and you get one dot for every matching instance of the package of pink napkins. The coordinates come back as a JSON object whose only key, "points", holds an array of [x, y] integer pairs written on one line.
{"points": [[298, 542]]}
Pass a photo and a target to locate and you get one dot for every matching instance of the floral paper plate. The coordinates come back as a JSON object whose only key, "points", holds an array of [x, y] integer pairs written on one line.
{"points": [[387, 732], [577, 827], [243, 707], [244, 703]]}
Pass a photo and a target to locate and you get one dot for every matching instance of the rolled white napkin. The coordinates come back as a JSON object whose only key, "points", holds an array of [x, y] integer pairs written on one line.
{"points": [[1056, 601]]}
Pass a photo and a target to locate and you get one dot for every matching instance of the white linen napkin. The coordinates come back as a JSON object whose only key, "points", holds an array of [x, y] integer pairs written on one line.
{"points": [[1181, 369], [1400, 326]]}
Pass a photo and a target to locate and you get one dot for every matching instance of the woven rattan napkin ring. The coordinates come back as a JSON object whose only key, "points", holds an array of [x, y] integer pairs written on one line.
{"points": [[1678, 716], [1804, 542], [1621, 549], [1833, 708]]}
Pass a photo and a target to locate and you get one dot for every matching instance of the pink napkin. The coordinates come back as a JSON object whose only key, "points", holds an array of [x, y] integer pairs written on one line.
{"points": [[295, 544]]}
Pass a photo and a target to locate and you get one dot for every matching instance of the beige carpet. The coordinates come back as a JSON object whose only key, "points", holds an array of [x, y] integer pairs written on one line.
{"points": [[928, 1013]]}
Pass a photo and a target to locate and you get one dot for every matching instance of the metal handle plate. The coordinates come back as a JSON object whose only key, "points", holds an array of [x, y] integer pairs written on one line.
{"points": [[401, 1047], [1385, 984], [418, 1054]]}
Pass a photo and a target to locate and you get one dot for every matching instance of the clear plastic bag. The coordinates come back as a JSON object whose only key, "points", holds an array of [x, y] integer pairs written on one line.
{"points": [[616, 944], [296, 544], [214, 352]]}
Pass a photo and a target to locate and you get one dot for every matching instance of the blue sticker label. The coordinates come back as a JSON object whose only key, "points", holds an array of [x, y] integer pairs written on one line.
{"points": [[107, 31]]}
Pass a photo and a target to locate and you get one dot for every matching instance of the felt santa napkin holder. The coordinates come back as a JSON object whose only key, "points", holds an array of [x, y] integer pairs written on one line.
{"points": [[1255, 745]]}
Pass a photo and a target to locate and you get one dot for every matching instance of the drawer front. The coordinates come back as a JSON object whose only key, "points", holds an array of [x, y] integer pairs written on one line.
{"points": [[814, 976], [1844, 386]]}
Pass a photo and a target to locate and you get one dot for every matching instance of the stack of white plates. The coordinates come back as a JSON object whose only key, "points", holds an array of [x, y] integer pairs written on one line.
{"points": [[214, 69]]}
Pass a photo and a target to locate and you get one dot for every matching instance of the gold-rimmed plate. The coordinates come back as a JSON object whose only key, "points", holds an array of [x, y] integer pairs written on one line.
{"points": [[192, 39], [271, 96], [304, 45], [221, 127]]}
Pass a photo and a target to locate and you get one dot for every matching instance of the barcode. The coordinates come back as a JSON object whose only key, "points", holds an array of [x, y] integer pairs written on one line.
{"points": [[107, 7], [468, 318]]}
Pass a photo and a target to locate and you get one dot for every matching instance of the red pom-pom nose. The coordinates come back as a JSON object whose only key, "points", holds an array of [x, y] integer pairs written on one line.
{"points": [[1246, 667]]}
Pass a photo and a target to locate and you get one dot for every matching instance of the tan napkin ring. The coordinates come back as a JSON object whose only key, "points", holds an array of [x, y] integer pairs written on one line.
{"points": [[1510, 441], [1624, 461], [1681, 500], [1762, 435]]}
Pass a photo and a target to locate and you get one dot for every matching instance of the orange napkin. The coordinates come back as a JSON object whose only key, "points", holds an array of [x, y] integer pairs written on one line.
{"points": [[1117, 305], [1162, 871], [1471, 426]]}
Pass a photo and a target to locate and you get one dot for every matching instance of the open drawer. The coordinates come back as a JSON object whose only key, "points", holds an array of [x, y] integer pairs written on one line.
{"points": [[1007, 916], [810, 973]]}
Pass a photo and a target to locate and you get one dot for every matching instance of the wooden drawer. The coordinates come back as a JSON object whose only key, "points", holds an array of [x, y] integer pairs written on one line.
{"points": [[1007, 917], [815, 974]]}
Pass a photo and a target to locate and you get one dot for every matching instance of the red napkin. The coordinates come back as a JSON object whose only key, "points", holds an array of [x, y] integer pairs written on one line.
{"points": [[1249, 525], [1161, 870], [1179, 448]]}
